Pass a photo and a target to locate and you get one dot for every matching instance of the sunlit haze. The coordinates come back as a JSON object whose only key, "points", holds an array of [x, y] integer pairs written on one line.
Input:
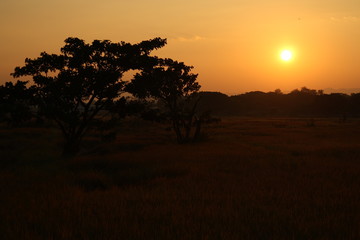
{"points": [[234, 45]]}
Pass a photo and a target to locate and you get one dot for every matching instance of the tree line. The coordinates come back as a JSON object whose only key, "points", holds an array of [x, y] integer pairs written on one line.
{"points": [[84, 85], [299, 102]]}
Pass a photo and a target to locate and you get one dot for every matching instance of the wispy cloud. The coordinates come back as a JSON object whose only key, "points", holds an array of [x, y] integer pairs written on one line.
{"points": [[346, 19], [188, 39]]}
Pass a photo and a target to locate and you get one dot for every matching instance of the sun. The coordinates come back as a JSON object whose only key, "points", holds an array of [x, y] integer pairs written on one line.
{"points": [[286, 55]]}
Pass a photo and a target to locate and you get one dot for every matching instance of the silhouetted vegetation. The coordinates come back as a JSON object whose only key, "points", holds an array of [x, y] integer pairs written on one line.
{"points": [[72, 88], [15, 103], [172, 83], [298, 103]]}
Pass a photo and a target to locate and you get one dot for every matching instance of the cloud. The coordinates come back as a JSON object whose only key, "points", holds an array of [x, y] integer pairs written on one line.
{"points": [[188, 39], [346, 19]]}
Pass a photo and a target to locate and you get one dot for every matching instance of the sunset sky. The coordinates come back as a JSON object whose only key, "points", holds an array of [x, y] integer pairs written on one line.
{"points": [[234, 45]]}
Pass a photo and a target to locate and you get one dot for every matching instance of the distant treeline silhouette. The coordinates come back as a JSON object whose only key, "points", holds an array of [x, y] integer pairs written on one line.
{"points": [[303, 102]]}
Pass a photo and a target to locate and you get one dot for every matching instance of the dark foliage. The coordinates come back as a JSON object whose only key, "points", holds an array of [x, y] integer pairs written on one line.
{"points": [[15, 103], [74, 86], [304, 102], [173, 84]]}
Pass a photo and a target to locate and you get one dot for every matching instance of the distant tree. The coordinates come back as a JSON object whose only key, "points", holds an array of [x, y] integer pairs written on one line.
{"points": [[175, 86], [294, 92], [308, 91], [278, 91], [320, 92], [72, 87], [15, 103]]}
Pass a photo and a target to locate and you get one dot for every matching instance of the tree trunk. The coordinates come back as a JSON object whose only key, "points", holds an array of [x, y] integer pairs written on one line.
{"points": [[177, 130], [71, 147], [197, 129]]}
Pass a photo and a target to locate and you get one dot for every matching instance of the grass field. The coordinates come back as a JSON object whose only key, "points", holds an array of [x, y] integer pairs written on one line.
{"points": [[249, 179]]}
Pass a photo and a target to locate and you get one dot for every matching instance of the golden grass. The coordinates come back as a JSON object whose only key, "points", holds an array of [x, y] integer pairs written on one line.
{"points": [[251, 179]]}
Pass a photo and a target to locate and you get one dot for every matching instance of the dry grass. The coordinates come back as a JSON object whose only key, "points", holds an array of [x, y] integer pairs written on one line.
{"points": [[251, 179]]}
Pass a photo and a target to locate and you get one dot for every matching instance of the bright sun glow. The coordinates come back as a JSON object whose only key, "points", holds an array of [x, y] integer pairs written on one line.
{"points": [[286, 55]]}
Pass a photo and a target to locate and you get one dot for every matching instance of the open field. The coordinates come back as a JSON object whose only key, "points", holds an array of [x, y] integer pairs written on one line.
{"points": [[249, 179]]}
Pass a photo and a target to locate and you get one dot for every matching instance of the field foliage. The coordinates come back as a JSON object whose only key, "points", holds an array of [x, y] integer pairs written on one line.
{"points": [[249, 178]]}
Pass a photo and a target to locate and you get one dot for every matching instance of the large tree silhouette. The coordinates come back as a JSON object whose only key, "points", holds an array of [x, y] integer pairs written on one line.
{"points": [[74, 86], [174, 85]]}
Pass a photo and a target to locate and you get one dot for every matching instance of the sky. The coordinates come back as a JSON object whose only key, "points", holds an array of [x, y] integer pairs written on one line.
{"points": [[234, 45]]}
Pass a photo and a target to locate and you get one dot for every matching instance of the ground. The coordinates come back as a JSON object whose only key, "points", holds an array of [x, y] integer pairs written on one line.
{"points": [[247, 179]]}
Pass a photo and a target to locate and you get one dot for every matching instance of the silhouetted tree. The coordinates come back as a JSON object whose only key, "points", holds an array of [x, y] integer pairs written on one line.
{"points": [[278, 91], [305, 90], [175, 86], [15, 103], [74, 86]]}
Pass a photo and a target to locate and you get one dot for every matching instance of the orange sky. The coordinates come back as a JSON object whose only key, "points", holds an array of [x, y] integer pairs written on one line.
{"points": [[234, 45]]}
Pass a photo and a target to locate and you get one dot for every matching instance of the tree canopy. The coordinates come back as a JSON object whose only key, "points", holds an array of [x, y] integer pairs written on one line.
{"points": [[74, 86], [15, 102], [172, 83]]}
